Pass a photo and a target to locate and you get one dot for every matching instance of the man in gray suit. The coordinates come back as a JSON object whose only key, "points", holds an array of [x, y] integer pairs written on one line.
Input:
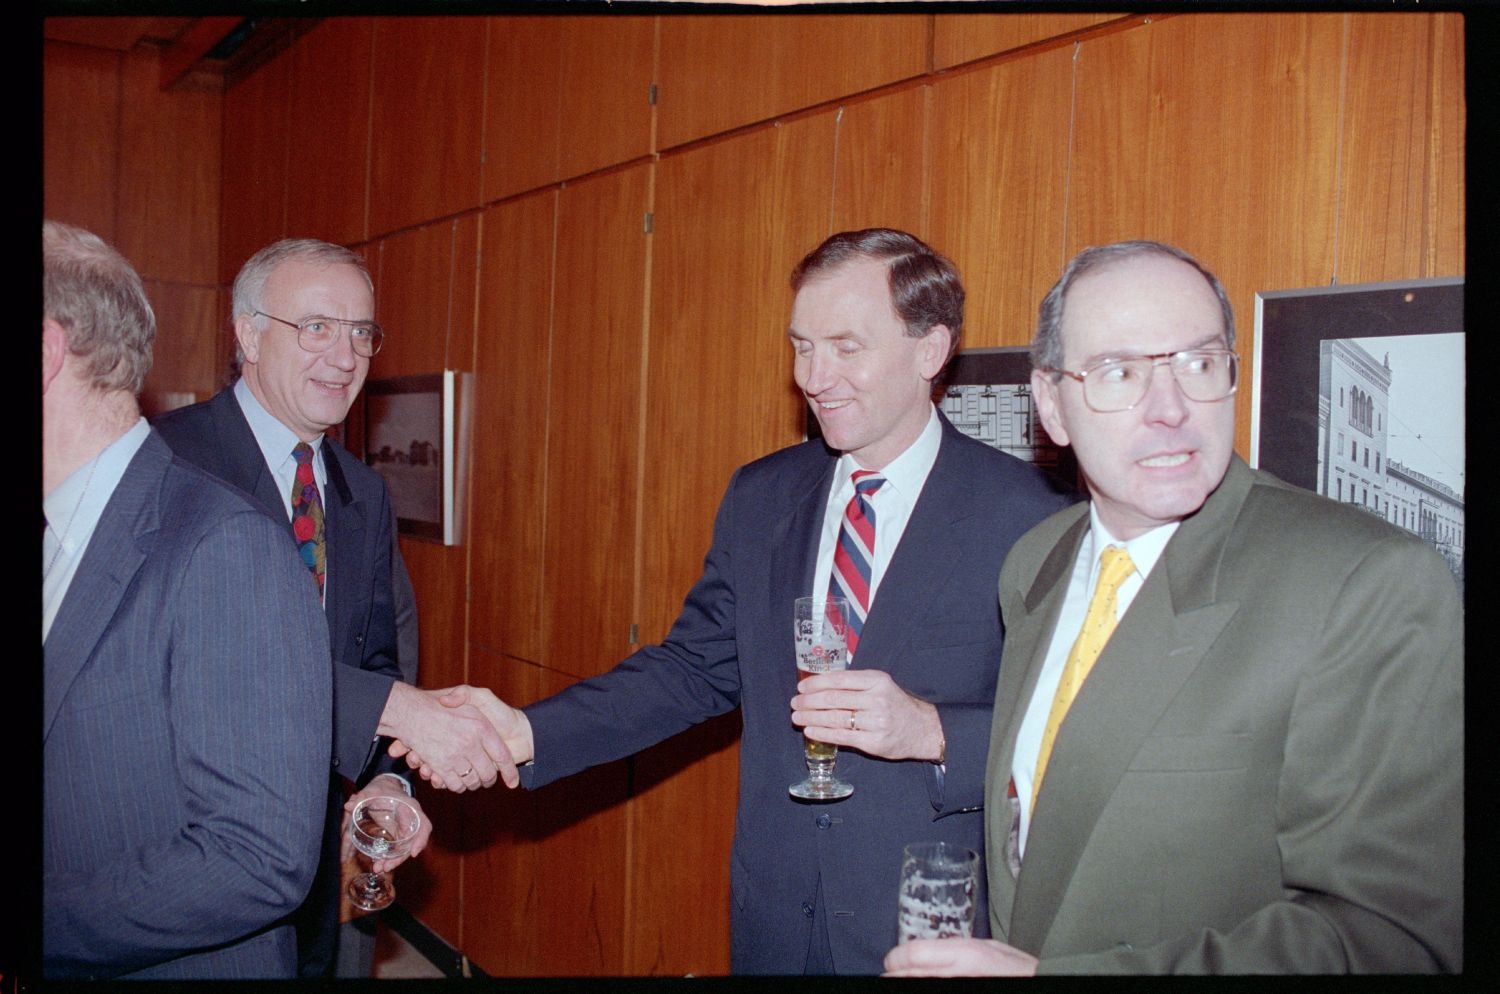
{"points": [[1229, 724], [186, 679]]}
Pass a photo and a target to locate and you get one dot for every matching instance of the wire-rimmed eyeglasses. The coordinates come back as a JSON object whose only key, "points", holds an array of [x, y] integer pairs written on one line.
{"points": [[318, 333], [1121, 382]]}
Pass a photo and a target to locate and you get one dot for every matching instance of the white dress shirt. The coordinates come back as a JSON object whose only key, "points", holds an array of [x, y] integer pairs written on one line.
{"points": [[73, 509], [893, 502], [1144, 551], [276, 443]]}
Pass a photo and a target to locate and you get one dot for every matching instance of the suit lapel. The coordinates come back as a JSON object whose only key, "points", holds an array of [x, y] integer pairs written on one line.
{"points": [[113, 557], [1165, 635], [240, 460], [343, 531], [918, 571], [795, 540], [1027, 637]]}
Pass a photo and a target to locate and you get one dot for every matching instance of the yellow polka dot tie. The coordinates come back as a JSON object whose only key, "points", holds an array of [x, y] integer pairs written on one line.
{"points": [[1098, 625]]}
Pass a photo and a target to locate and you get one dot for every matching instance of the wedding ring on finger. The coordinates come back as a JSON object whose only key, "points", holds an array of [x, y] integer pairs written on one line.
{"points": [[852, 726]]}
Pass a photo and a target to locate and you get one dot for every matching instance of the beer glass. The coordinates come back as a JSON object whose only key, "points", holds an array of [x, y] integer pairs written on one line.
{"points": [[936, 897], [821, 629]]}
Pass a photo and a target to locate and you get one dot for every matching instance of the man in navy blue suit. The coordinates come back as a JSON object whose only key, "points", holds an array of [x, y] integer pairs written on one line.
{"points": [[877, 316], [186, 678], [304, 324]]}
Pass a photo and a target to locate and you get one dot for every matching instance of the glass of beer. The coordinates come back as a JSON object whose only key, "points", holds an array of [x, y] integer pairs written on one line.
{"points": [[821, 630], [936, 901]]}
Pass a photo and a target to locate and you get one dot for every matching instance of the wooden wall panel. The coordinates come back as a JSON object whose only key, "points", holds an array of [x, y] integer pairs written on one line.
{"points": [[329, 128], [999, 179], [80, 136], [512, 353], [731, 220], [256, 149], [722, 72], [565, 96], [582, 860], [500, 849], [607, 71], [169, 173], [425, 165], [880, 177], [1446, 204], [593, 426], [523, 97], [190, 327], [959, 38], [1245, 180], [1396, 192], [414, 297]]}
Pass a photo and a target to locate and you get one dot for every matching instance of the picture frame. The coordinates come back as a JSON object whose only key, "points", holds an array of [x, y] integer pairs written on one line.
{"points": [[410, 437], [1358, 395]]}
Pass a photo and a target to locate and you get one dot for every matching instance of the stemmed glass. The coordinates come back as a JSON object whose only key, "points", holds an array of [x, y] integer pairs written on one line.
{"points": [[381, 828], [822, 646]]}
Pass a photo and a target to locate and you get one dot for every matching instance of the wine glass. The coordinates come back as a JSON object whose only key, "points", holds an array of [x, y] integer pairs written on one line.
{"points": [[938, 881], [822, 646], [381, 828]]}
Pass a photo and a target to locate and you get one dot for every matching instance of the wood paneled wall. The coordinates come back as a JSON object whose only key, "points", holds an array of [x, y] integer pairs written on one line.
{"points": [[499, 172], [140, 168]]}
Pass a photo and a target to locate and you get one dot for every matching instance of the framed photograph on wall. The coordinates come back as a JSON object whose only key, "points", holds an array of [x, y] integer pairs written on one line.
{"points": [[1359, 396], [986, 393], [409, 433]]}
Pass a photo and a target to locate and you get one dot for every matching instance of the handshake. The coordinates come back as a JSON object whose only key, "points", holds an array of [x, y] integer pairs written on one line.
{"points": [[459, 738]]}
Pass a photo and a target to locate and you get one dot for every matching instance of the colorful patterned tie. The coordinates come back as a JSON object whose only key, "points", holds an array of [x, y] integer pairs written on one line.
{"points": [[1098, 625], [307, 515], [854, 555]]}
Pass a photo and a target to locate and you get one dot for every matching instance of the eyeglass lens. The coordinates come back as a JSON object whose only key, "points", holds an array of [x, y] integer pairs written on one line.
{"points": [[1120, 384]]}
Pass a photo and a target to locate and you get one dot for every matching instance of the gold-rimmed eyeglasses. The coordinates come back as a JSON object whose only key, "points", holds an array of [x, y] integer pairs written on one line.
{"points": [[318, 333], [1121, 382]]}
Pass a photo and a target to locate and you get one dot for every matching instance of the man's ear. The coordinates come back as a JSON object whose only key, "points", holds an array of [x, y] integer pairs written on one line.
{"points": [[54, 351], [1044, 393], [248, 337], [933, 350]]}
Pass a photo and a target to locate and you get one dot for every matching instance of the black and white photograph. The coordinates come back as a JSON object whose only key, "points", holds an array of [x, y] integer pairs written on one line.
{"points": [[408, 431], [1389, 429]]}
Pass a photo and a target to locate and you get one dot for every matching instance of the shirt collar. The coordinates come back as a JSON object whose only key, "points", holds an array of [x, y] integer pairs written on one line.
{"points": [[76, 504], [275, 439], [1144, 549], [906, 473]]}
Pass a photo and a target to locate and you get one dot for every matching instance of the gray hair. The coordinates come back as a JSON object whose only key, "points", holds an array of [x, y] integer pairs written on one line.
{"points": [[93, 293], [925, 286], [251, 281], [1047, 346]]}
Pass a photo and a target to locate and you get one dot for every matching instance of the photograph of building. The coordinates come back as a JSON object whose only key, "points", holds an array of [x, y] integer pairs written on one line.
{"points": [[1391, 433]]}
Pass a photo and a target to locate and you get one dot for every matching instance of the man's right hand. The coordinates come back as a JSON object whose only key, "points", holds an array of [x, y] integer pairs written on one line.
{"points": [[456, 742], [510, 724]]}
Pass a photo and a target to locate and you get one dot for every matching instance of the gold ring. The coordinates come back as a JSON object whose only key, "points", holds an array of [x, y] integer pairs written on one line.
{"points": [[852, 727]]}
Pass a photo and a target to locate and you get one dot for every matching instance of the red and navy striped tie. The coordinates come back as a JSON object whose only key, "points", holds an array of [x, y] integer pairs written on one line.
{"points": [[854, 555]]}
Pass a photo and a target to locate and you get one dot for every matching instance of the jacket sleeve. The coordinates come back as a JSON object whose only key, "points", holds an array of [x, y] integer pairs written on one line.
{"points": [[360, 691], [691, 676]]}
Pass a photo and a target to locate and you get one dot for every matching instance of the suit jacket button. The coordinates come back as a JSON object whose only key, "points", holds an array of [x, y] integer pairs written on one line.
{"points": [[823, 821], [807, 909]]}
